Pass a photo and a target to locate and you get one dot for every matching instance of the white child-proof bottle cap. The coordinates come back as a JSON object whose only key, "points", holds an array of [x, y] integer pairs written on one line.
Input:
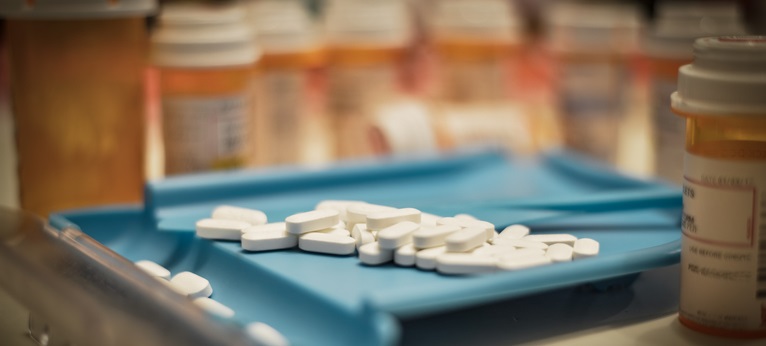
{"points": [[727, 77], [477, 21], [368, 23], [74, 9], [282, 26], [202, 36]]}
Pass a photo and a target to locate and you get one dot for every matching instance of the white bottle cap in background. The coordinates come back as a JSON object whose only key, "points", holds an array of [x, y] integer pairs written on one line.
{"points": [[282, 26], [194, 35], [476, 21], [368, 23], [73, 9], [727, 77]]}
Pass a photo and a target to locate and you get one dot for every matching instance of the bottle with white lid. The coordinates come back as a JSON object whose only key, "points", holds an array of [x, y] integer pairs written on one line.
{"points": [[205, 56], [367, 43], [76, 74], [593, 45], [723, 257], [668, 46], [290, 126]]}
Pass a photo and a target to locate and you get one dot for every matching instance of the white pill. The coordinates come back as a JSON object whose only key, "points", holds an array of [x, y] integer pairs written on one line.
{"points": [[268, 240], [559, 252], [464, 263], [427, 219], [229, 212], [361, 235], [311, 221], [341, 224], [465, 217], [585, 247], [327, 243], [372, 254], [154, 269], [380, 220], [519, 243], [523, 262], [214, 307], [193, 285], [397, 235], [264, 335], [493, 250], [269, 227], [357, 213], [515, 231], [426, 259], [427, 237], [405, 255], [519, 253], [466, 239], [468, 223], [338, 205], [552, 238], [336, 231], [221, 229]]}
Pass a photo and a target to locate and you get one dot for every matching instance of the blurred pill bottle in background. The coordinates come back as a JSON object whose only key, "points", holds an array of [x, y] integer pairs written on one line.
{"points": [[76, 77], [204, 56], [592, 44], [367, 42], [723, 253], [668, 46], [290, 126]]}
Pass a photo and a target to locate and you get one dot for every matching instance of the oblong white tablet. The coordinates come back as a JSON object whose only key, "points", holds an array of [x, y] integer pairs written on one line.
{"points": [[523, 262], [552, 238], [427, 237], [380, 220], [264, 335], [230, 212], [327, 243], [339, 205], [361, 235], [519, 253], [214, 307], [426, 259], [268, 240], [312, 221], [584, 248], [470, 223], [493, 250], [515, 232], [465, 217], [465, 263], [193, 285], [357, 213], [336, 231], [405, 255], [275, 226], [519, 243], [153, 269], [559, 252], [220, 229], [427, 219], [466, 239], [397, 235], [372, 254]]}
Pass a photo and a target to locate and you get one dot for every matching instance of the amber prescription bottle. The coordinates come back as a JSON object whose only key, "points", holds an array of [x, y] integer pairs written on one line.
{"points": [[722, 95], [76, 71]]}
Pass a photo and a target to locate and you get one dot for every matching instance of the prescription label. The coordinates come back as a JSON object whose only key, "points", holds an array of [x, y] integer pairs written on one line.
{"points": [[669, 132], [724, 243], [205, 133]]}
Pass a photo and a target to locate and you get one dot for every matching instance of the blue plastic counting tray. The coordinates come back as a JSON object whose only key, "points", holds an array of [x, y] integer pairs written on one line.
{"points": [[318, 299]]}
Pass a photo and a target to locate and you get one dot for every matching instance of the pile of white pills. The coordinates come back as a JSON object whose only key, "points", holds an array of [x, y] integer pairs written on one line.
{"points": [[199, 290], [381, 234]]}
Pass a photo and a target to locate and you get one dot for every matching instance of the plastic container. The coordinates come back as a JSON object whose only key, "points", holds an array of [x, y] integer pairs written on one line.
{"points": [[668, 46], [592, 45], [76, 72], [721, 95], [367, 45], [290, 124], [205, 57]]}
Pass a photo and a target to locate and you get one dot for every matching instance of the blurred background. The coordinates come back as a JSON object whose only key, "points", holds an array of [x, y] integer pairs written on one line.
{"points": [[93, 105]]}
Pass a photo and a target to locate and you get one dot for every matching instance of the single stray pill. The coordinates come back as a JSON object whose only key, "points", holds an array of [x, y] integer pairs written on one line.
{"points": [[220, 229], [397, 235], [251, 216], [427, 237], [523, 262], [426, 259], [380, 220], [268, 240], [372, 254], [264, 335], [519, 243], [464, 263], [214, 307], [311, 221], [466, 239], [552, 238], [193, 285], [515, 232], [585, 247], [405, 255], [361, 235], [153, 269], [327, 243], [559, 252]]}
